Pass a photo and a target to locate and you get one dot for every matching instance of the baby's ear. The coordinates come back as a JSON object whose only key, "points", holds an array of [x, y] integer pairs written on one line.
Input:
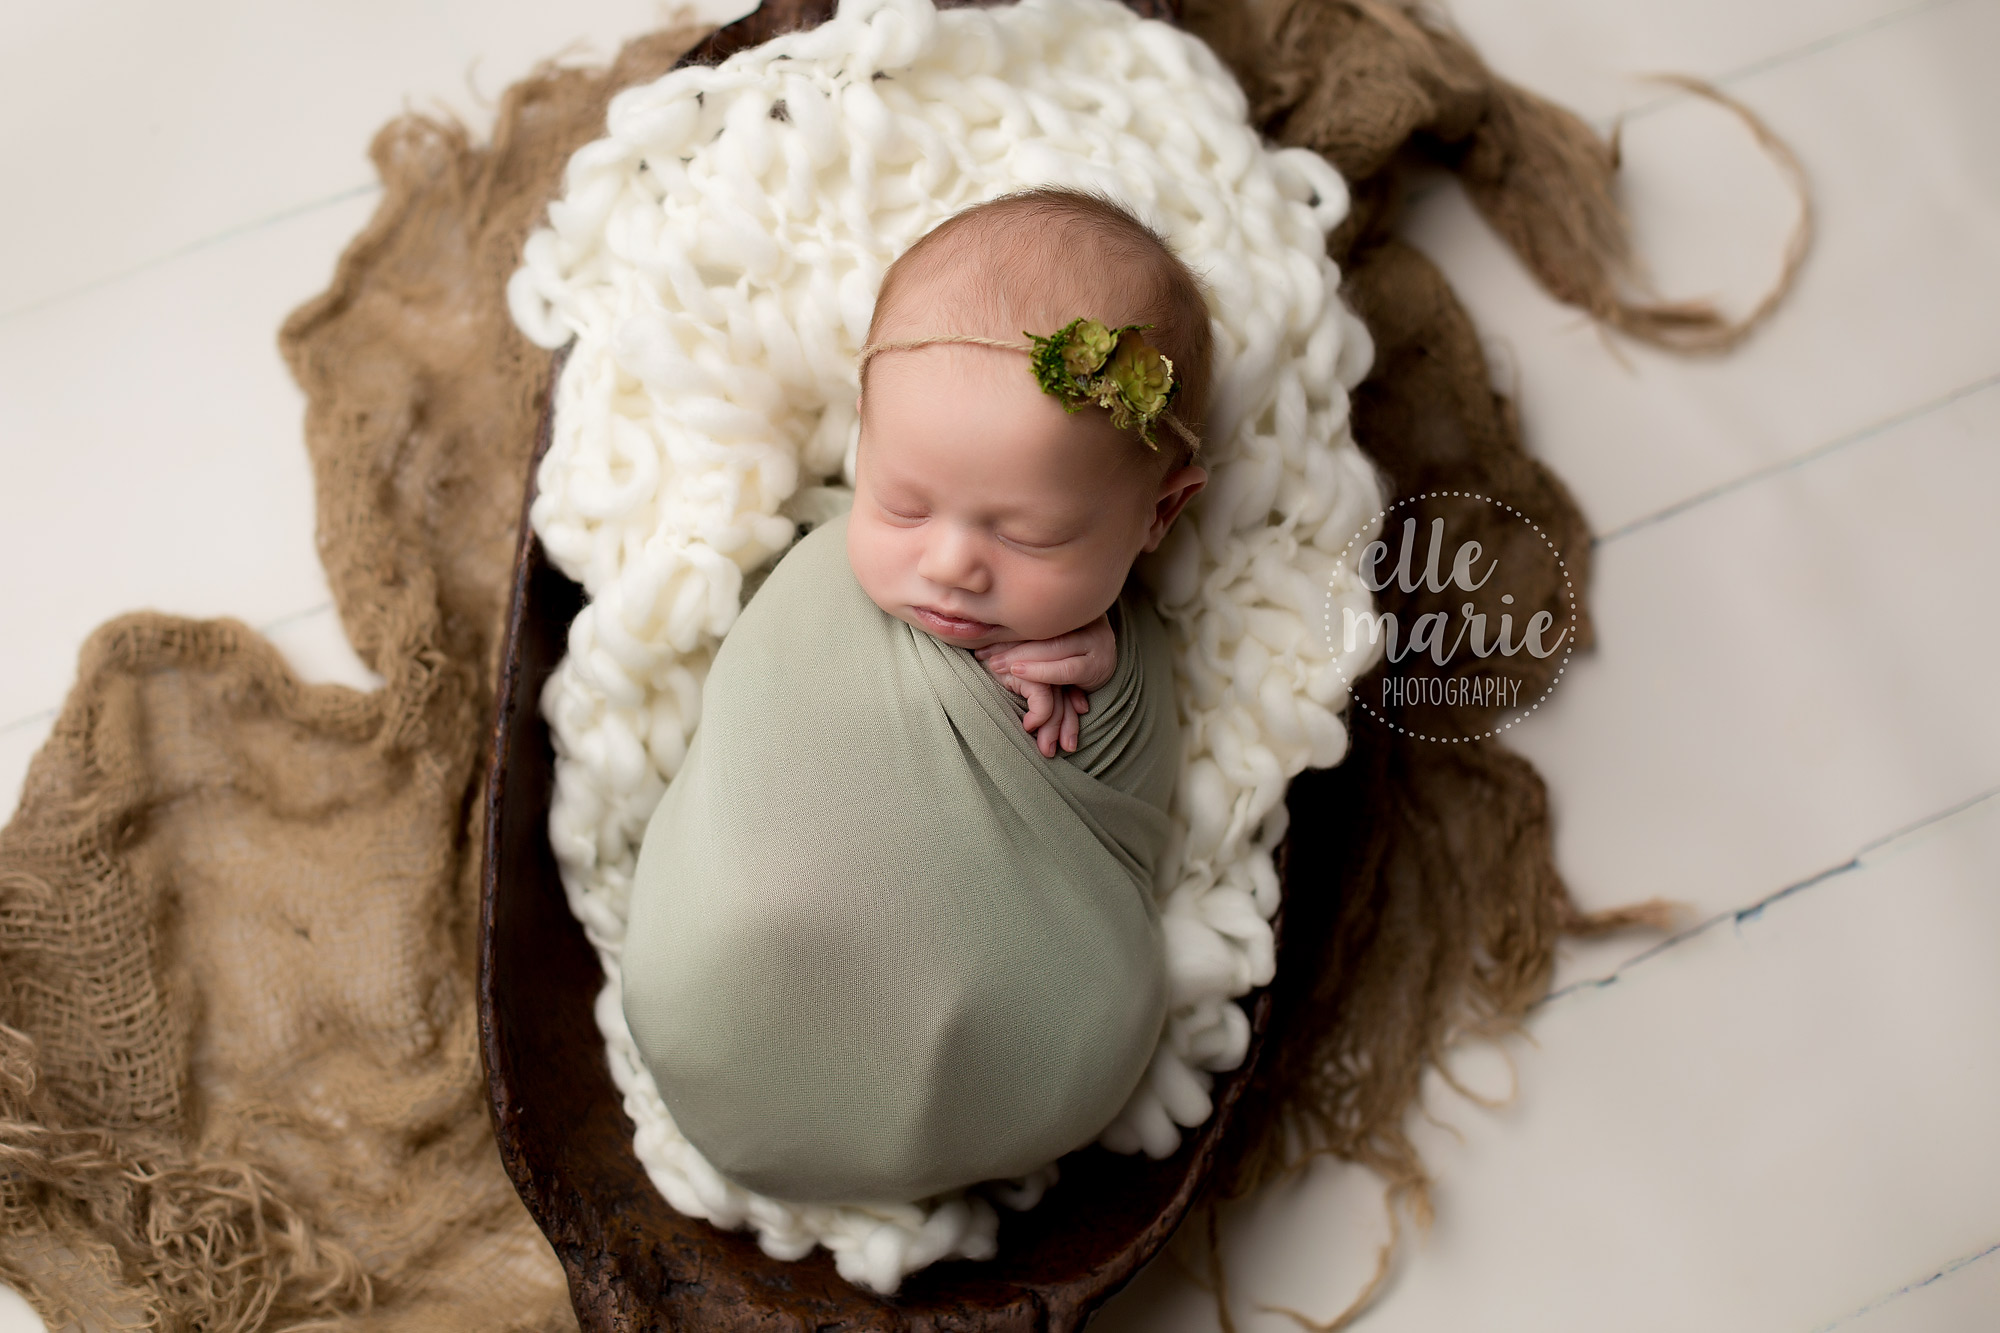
{"points": [[1176, 489]]}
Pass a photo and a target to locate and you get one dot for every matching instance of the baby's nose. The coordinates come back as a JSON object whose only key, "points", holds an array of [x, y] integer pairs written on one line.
{"points": [[952, 559]]}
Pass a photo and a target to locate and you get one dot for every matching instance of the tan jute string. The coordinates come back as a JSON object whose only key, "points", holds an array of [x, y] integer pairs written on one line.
{"points": [[869, 352]]}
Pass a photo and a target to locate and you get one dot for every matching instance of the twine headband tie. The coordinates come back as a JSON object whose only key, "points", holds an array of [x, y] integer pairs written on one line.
{"points": [[1087, 362]]}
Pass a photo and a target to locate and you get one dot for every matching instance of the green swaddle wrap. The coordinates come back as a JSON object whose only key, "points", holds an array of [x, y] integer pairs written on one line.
{"points": [[879, 947]]}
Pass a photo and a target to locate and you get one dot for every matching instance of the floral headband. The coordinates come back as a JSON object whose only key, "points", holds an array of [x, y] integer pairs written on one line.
{"points": [[1087, 362]]}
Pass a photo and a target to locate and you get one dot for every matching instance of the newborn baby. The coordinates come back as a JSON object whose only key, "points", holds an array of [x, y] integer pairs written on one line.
{"points": [[892, 930], [985, 512]]}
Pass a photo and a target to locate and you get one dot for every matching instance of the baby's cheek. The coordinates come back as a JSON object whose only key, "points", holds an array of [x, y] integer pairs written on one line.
{"points": [[874, 562], [1071, 598]]}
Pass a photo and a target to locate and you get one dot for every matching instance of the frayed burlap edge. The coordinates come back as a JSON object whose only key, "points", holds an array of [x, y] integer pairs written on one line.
{"points": [[239, 1081]]}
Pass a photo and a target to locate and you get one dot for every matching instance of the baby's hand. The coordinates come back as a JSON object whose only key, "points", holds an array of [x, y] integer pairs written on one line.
{"points": [[1055, 677]]}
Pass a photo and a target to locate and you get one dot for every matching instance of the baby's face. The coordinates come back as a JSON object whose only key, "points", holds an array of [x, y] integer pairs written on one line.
{"points": [[984, 513]]}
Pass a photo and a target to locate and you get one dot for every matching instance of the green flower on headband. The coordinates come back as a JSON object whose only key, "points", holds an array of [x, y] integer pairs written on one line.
{"points": [[1144, 379], [1089, 347], [1086, 362]]}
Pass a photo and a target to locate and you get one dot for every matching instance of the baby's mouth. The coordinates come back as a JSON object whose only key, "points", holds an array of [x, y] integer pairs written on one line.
{"points": [[951, 627]]}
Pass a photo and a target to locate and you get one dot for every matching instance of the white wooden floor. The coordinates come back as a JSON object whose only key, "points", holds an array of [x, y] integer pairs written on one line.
{"points": [[1783, 1120]]}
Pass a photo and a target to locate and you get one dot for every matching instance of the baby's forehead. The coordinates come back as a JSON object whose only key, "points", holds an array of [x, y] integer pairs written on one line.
{"points": [[956, 402], [1009, 277]]}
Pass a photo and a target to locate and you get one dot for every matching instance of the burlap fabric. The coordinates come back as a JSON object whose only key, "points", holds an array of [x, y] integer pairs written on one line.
{"points": [[239, 1085]]}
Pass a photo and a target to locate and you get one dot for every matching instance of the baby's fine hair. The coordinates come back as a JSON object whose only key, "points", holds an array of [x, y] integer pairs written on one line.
{"points": [[1039, 248]]}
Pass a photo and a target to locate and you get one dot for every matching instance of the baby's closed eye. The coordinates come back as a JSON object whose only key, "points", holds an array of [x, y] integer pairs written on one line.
{"points": [[902, 513], [1037, 539]]}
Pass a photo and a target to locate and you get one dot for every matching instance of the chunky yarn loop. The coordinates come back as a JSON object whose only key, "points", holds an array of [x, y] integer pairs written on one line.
{"points": [[715, 260]]}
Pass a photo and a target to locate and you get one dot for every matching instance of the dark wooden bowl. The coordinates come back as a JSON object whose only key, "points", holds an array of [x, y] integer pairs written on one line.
{"points": [[632, 1262]]}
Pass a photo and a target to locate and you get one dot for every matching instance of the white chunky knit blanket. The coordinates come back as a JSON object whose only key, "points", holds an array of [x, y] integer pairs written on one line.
{"points": [[715, 258]]}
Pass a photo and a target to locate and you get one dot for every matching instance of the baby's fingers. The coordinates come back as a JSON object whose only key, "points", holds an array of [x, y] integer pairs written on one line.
{"points": [[1055, 671], [1043, 705], [1071, 729]]}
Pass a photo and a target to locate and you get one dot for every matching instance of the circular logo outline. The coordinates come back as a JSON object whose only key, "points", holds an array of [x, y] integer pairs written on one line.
{"points": [[1374, 525]]}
